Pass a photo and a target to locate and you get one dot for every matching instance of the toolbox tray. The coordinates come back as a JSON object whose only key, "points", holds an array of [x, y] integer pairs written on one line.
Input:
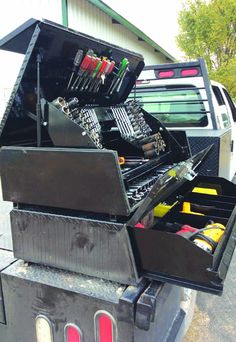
{"points": [[167, 256]]}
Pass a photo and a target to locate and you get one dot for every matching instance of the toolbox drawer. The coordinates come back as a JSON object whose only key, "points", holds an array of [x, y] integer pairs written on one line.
{"points": [[104, 249], [164, 255]]}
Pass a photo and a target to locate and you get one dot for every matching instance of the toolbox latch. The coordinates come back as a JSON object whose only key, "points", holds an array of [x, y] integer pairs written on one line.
{"points": [[146, 306]]}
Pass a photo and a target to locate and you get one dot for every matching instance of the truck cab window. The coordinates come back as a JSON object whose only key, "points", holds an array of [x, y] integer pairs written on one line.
{"points": [[226, 120], [175, 106], [231, 104], [218, 95]]}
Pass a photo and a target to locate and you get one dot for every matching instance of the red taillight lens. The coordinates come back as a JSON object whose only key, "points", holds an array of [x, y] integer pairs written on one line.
{"points": [[189, 72], [166, 74], [72, 333], [105, 327]]}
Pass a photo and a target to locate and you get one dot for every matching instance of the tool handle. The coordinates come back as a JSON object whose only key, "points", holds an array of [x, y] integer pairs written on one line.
{"points": [[149, 146], [85, 63], [93, 64], [104, 65], [97, 68], [111, 67], [78, 58], [105, 72], [123, 66]]}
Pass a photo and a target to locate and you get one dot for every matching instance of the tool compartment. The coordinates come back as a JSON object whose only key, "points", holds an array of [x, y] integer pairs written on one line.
{"points": [[165, 255], [85, 170]]}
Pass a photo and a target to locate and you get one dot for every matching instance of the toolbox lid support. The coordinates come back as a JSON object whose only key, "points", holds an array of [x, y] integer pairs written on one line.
{"points": [[38, 106]]}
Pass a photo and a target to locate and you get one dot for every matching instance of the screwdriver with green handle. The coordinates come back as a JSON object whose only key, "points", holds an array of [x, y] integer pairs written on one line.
{"points": [[109, 68], [119, 76], [97, 78]]}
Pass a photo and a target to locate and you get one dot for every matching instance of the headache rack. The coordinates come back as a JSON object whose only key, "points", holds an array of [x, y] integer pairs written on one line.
{"points": [[202, 100]]}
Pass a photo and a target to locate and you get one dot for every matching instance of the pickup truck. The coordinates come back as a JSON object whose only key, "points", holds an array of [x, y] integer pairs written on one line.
{"points": [[181, 96]]}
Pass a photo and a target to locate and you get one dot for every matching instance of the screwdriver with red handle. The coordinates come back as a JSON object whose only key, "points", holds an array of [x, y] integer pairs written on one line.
{"points": [[88, 71], [107, 71], [92, 73], [83, 67], [99, 73]]}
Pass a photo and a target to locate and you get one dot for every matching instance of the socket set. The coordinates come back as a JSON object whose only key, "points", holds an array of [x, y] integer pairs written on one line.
{"points": [[84, 117], [139, 189], [153, 145]]}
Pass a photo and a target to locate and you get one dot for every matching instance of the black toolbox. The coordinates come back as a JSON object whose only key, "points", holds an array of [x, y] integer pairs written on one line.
{"points": [[86, 204]]}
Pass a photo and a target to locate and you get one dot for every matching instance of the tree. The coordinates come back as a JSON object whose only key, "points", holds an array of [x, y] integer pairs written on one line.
{"points": [[208, 29]]}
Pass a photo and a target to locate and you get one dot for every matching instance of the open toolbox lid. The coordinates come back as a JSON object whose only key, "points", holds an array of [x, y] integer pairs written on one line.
{"points": [[168, 183], [54, 48]]}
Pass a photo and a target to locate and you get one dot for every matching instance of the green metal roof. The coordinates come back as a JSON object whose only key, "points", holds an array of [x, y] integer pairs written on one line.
{"points": [[121, 20]]}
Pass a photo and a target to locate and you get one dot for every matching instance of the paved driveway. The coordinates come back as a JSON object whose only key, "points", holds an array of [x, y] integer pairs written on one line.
{"points": [[214, 318]]}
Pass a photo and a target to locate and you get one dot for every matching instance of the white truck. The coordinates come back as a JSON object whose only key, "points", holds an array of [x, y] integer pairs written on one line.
{"points": [[181, 96]]}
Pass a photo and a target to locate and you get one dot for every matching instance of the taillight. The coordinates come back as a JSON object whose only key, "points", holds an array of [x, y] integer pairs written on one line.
{"points": [[43, 329], [166, 74], [189, 72], [72, 333], [105, 327]]}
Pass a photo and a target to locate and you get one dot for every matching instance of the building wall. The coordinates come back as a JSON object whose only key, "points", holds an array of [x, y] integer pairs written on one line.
{"points": [[87, 18]]}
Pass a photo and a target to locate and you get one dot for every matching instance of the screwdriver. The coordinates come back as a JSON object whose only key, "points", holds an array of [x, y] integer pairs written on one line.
{"points": [[97, 77], [107, 71], [76, 63], [94, 73], [94, 61], [118, 86], [123, 67], [83, 67]]}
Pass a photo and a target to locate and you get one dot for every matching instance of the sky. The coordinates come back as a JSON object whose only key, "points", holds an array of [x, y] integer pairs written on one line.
{"points": [[156, 18]]}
